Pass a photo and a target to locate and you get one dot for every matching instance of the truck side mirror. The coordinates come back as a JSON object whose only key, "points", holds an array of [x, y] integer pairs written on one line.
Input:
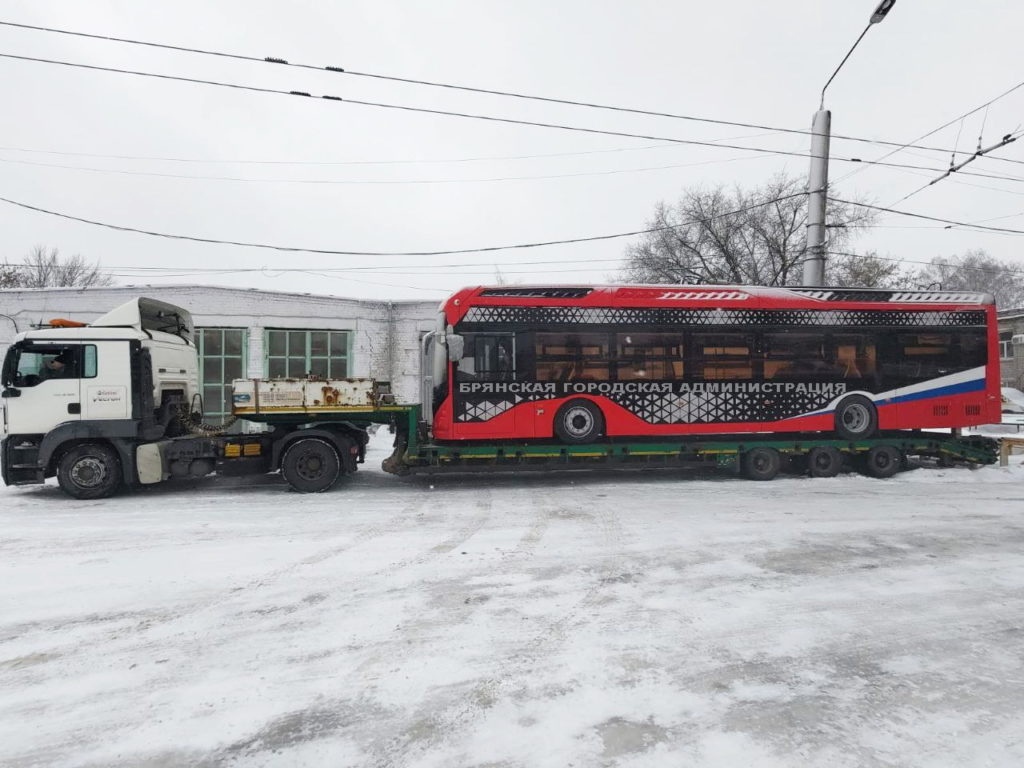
{"points": [[456, 347]]}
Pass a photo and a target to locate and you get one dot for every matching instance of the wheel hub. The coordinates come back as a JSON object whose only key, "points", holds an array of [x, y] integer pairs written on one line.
{"points": [[88, 472], [579, 421], [856, 418], [310, 466]]}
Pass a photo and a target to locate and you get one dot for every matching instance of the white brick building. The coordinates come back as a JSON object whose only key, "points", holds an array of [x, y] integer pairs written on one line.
{"points": [[249, 333], [1011, 347]]}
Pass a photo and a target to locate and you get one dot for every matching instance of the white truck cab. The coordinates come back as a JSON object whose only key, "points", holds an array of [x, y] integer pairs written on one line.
{"points": [[118, 377]]}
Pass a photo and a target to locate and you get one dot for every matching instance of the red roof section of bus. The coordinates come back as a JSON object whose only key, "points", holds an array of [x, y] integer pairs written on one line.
{"points": [[739, 296]]}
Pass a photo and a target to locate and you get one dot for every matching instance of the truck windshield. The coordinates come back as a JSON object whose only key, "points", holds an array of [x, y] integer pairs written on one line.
{"points": [[10, 366]]}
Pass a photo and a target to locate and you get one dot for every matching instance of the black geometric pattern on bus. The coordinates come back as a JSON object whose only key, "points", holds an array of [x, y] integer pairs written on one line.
{"points": [[853, 318], [665, 408], [484, 408]]}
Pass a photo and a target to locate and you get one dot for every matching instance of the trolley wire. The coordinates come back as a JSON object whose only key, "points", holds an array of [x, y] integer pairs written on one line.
{"points": [[340, 252], [349, 182], [465, 88], [913, 142], [474, 116]]}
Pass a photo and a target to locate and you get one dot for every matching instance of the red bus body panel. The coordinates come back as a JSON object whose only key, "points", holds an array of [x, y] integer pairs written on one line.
{"points": [[945, 407]]}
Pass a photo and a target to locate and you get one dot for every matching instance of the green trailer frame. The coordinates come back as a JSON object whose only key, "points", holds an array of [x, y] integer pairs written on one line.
{"points": [[415, 454]]}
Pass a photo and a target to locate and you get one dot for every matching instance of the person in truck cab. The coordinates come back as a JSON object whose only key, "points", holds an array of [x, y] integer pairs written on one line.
{"points": [[56, 368]]}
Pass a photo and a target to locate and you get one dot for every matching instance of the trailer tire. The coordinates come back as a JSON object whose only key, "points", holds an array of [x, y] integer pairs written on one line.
{"points": [[311, 465], [856, 418], [579, 421], [89, 471], [883, 461], [824, 461], [761, 464]]}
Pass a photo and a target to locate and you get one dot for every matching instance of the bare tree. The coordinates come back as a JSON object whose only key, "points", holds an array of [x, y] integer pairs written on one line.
{"points": [[752, 237], [976, 271], [44, 268], [8, 276], [866, 270]]}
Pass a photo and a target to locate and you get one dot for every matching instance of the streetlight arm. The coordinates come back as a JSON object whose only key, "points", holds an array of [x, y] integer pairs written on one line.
{"points": [[833, 77]]}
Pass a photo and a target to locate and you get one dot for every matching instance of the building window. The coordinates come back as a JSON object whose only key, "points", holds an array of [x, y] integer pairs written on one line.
{"points": [[295, 354], [1005, 345], [222, 359]]}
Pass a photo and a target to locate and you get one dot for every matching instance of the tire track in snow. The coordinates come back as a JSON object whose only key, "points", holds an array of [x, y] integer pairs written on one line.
{"points": [[460, 609], [150, 621], [425, 732]]}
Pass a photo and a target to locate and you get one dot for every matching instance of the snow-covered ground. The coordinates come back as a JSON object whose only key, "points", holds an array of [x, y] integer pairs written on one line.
{"points": [[640, 619]]}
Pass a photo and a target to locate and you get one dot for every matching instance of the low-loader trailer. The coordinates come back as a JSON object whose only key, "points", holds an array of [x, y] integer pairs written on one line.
{"points": [[116, 404]]}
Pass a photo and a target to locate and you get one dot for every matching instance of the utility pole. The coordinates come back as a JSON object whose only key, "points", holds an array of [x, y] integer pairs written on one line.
{"points": [[817, 183], [817, 195]]}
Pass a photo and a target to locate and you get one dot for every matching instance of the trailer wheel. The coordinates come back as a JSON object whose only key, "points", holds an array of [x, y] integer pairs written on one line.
{"points": [[761, 464], [579, 421], [824, 461], [89, 471], [883, 461], [856, 418], [311, 465]]}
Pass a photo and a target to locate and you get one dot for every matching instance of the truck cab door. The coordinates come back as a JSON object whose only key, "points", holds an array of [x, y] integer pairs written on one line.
{"points": [[45, 387], [105, 381]]}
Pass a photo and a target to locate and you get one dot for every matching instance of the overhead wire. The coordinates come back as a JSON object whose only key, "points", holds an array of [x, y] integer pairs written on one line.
{"points": [[277, 61], [425, 161], [1006, 270], [339, 252], [957, 168], [913, 142], [473, 116], [249, 180], [980, 227]]}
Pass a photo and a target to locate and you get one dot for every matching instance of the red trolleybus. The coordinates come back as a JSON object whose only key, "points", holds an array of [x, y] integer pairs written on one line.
{"points": [[578, 364]]}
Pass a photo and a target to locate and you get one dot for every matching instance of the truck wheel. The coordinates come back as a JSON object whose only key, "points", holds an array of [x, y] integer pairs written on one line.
{"points": [[856, 418], [311, 465], [824, 461], [883, 461], [579, 421], [89, 471], [761, 464]]}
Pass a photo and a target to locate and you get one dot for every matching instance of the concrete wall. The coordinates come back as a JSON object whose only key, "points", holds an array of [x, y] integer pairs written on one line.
{"points": [[1012, 369], [385, 336]]}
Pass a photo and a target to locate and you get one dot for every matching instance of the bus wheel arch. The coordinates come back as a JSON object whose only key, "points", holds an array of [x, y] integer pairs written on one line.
{"points": [[761, 463], [579, 421], [856, 418]]}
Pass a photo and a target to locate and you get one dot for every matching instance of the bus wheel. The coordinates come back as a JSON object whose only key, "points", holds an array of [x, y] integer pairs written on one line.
{"points": [[311, 465], [824, 461], [761, 464], [579, 421], [856, 418], [89, 471], [883, 461]]}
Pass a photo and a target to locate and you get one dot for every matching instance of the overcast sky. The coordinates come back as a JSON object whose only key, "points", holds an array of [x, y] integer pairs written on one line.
{"points": [[392, 181]]}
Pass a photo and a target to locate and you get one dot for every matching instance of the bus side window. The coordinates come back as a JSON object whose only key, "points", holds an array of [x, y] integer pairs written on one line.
{"points": [[723, 356], [796, 356], [488, 358], [571, 356], [855, 356], [649, 356], [925, 355]]}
